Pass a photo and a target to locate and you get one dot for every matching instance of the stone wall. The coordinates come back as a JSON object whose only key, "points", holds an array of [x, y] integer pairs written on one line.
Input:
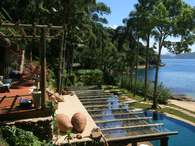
{"points": [[41, 127]]}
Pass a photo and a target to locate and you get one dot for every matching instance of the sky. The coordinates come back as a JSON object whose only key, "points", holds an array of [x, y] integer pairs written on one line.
{"points": [[121, 8]]}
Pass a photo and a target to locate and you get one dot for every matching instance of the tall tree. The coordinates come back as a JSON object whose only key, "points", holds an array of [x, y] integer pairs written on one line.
{"points": [[142, 14], [165, 17]]}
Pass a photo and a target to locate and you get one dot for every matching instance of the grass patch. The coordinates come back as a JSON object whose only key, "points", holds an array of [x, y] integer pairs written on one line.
{"points": [[120, 91], [148, 106], [140, 105], [178, 114], [172, 105], [165, 110]]}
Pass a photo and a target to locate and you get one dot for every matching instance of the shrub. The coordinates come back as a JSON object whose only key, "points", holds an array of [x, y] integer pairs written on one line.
{"points": [[3, 142], [18, 137], [90, 77], [163, 93], [51, 79]]}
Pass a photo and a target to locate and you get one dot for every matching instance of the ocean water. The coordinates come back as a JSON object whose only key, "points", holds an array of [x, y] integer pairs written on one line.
{"points": [[178, 75]]}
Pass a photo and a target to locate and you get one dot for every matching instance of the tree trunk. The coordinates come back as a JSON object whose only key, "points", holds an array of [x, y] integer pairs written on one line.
{"points": [[102, 52], [155, 93], [60, 71], [136, 69], [131, 81], [146, 68], [22, 60]]}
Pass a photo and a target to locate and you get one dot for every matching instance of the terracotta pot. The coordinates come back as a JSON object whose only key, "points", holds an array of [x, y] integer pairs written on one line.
{"points": [[79, 122], [63, 123]]}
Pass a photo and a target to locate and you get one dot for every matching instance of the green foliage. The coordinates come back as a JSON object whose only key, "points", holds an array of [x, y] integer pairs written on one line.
{"points": [[90, 77], [3, 142], [163, 93], [51, 79], [18, 137]]}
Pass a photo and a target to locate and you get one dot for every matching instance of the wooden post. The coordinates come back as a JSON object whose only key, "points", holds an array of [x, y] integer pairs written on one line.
{"points": [[164, 141], [64, 55], [22, 60], [134, 144], [33, 46], [59, 87], [43, 67]]}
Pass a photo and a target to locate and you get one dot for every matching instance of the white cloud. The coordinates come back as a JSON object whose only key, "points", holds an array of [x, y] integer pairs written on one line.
{"points": [[113, 26]]}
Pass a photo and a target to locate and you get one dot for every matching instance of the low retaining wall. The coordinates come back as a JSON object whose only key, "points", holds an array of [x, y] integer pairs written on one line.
{"points": [[41, 127]]}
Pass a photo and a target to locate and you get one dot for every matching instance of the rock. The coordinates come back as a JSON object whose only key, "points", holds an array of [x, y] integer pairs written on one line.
{"points": [[63, 123], [181, 97], [58, 97], [79, 122], [79, 136], [96, 134]]}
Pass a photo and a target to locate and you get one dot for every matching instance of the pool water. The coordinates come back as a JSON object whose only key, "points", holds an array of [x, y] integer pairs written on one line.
{"points": [[186, 135]]}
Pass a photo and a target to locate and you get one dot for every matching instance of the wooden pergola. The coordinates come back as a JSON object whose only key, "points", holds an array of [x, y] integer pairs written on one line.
{"points": [[120, 124], [42, 33]]}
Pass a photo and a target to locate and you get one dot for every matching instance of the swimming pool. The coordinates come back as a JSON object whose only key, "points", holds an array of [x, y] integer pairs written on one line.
{"points": [[114, 110], [186, 135]]}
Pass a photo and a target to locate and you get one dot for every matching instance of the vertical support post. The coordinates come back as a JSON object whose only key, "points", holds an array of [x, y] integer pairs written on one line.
{"points": [[64, 55], [164, 141], [33, 46], [134, 143], [5, 61], [22, 59], [59, 87], [43, 68]]}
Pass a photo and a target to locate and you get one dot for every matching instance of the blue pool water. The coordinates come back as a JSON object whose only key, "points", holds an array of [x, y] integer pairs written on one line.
{"points": [[186, 135], [178, 75]]}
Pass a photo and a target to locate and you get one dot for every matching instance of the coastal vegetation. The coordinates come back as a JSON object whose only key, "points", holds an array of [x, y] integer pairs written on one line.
{"points": [[112, 51], [96, 47], [89, 52]]}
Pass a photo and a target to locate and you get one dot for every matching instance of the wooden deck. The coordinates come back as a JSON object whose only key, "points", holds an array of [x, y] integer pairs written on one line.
{"points": [[9, 104], [9, 100]]}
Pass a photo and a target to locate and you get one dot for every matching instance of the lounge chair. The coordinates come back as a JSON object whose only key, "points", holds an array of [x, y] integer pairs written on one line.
{"points": [[5, 85]]}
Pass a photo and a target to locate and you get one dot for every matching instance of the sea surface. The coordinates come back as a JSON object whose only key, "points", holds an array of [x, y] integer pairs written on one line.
{"points": [[178, 75]]}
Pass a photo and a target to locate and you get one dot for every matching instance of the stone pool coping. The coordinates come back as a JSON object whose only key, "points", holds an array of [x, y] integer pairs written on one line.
{"points": [[178, 118]]}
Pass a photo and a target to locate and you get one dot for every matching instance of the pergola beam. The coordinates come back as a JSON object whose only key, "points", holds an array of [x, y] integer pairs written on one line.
{"points": [[117, 114], [141, 138], [123, 120], [30, 37], [45, 29], [12, 25], [106, 105], [132, 127], [95, 96], [114, 109]]}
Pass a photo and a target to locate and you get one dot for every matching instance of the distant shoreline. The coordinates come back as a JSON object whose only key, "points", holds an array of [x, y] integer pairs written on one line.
{"points": [[180, 56], [182, 97]]}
